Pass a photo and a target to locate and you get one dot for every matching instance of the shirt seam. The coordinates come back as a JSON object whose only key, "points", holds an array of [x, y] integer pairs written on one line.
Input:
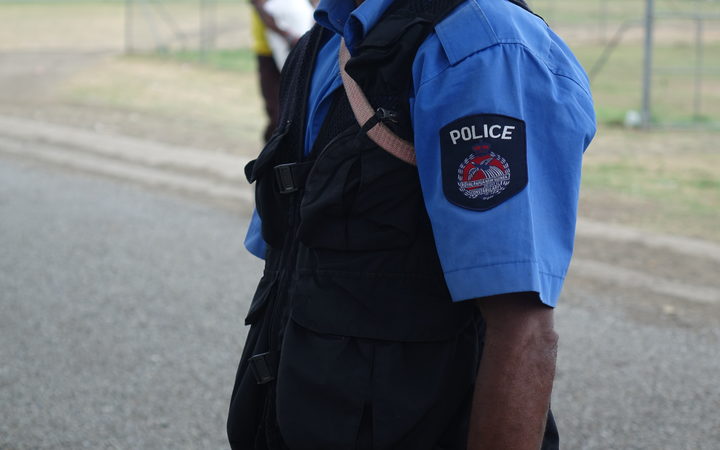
{"points": [[507, 42], [476, 8], [521, 261], [487, 21]]}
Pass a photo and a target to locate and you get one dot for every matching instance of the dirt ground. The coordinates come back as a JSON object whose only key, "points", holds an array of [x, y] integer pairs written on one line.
{"points": [[34, 84]]}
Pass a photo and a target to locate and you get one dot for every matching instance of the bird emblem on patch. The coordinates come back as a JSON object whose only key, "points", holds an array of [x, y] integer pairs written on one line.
{"points": [[483, 160], [483, 174]]}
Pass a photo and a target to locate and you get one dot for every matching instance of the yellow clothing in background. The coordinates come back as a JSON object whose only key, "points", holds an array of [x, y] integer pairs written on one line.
{"points": [[260, 43]]}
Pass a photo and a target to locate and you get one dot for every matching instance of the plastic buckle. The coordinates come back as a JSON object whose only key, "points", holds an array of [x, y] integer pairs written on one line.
{"points": [[386, 115], [263, 367], [284, 177]]}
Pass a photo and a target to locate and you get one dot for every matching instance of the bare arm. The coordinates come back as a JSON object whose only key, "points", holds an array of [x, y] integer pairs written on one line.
{"points": [[512, 392], [269, 22]]}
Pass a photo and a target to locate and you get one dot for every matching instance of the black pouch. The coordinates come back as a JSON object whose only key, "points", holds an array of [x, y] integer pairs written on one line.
{"points": [[246, 417], [272, 207], [359, 198]]}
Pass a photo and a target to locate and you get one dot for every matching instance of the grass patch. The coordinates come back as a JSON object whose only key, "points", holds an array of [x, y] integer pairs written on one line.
{"points": [[666, 181], [659, 180], [234, 60], [167, 87]]}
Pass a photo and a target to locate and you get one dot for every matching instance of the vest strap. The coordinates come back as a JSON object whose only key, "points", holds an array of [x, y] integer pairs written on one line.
{"points": [[291, 177], [264, 366], [364, 114]]}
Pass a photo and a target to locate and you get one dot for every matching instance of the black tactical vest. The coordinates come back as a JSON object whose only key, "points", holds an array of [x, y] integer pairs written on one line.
{"points": [[350, 247]]}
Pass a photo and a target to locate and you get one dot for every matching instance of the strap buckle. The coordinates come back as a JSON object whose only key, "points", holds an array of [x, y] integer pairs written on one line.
{"points": [[386, 115], [285, 179], [264, 366]]}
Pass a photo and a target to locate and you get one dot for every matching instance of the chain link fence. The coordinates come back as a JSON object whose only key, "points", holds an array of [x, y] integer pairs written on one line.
{"points": [[651, 62], [198, 26], [668, 78]]}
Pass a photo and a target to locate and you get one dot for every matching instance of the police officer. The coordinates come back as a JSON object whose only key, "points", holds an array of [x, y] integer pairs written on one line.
{"points": [[407, 301]]}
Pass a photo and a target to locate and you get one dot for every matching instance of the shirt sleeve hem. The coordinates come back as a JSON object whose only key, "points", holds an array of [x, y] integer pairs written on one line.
{"points": [[504, 278], [256, 249]]}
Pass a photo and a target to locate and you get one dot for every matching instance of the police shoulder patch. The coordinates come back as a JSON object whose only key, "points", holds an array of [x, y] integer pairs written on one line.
{"points": [[483, 159]]}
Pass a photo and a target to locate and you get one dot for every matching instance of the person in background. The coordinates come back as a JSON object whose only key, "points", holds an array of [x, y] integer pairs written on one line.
{"points": [[268, 73], [276, 26]]}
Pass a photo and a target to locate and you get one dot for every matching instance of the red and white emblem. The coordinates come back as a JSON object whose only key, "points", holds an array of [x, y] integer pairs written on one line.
{"points": [[483, 174]]}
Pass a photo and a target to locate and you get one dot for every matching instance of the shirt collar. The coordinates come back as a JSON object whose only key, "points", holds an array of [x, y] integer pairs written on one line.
{"points": [[343, 18]]}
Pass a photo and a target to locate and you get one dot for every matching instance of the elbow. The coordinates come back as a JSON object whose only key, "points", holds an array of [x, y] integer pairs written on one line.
{"points": [[538, 337], [548, 341], [529, 340]]}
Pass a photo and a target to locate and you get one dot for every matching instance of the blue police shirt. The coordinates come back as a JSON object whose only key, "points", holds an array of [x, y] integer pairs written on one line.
{"points": [[496, 92]]}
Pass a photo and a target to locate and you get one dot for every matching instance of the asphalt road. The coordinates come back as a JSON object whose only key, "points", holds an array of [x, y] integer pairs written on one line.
{"points": [[121, 324], [121, 313]]}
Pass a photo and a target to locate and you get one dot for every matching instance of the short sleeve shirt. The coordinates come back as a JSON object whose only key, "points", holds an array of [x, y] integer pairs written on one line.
{"points": [[502, 113]]}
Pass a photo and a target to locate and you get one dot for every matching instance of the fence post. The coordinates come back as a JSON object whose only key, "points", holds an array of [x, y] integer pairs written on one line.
{"points": [[128, 26], [208, 27], [647, 63], [203, 38], [699, 44], [602, 19]]}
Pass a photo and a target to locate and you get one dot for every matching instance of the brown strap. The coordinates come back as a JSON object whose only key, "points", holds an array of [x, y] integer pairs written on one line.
{"points": [[378, 133]]}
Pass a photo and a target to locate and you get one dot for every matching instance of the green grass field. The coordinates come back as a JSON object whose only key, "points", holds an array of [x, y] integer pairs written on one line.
{"points": [[589, 13], [222, 94], [617, 88], [240, 60], [665, 179], [93, 24], [662, 180]]}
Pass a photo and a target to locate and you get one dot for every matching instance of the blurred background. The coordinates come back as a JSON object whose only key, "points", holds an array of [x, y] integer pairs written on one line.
{"points": [[124, 128]]}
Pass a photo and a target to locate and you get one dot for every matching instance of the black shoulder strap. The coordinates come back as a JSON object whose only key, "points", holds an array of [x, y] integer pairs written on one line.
{"points": [[295, 76], [294, 89], [382, 63]]}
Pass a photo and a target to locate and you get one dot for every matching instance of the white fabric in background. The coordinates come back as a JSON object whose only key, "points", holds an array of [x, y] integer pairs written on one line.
{"points": [[294, 17]]}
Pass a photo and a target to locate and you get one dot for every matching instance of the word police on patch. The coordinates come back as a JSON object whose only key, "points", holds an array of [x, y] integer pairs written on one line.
{"points": [[484, 160]]}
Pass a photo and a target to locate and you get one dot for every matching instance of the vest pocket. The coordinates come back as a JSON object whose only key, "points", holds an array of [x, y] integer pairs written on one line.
{"points": [[320, 393], [272, 207], [256, 168], [358, 197]]}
